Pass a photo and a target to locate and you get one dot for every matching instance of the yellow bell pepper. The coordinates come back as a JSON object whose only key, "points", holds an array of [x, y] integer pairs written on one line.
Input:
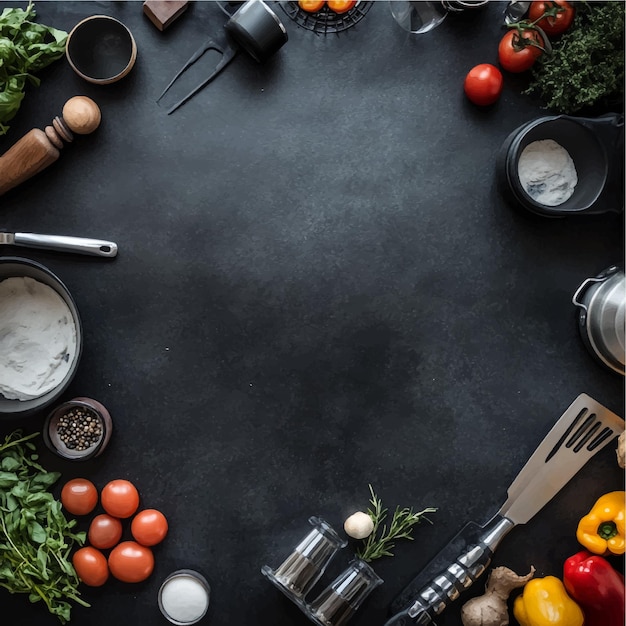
{"points": [[601, 531], [544, 602]]}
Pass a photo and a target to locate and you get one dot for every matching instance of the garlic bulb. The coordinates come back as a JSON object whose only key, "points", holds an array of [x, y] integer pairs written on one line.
{"points": [[359, 525]]}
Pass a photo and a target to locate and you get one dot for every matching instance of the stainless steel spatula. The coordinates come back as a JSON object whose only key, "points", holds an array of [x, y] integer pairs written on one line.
{"points": [[584, 429]]}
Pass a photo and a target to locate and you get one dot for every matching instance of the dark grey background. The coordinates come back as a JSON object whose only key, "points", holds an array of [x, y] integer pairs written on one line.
{"points": [[319, 286]]}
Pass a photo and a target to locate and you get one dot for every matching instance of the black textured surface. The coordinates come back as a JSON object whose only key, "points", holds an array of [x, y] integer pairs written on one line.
{"points": [[319, 286]]}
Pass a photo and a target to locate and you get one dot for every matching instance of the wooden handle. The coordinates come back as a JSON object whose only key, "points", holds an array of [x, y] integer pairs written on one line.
{"points": [[37, 149], [29, 155]]}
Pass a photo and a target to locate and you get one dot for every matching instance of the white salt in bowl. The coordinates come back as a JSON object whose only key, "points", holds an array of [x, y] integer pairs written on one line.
{"points": [[184, 597], [20, 267], [585, 149]]}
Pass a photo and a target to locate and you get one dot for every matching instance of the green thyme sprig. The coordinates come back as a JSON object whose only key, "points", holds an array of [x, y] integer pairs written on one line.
{"points": [[382, 543]]}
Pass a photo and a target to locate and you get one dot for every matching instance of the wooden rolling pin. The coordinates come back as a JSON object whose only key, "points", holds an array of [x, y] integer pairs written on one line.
{"points": [[38, 148]]}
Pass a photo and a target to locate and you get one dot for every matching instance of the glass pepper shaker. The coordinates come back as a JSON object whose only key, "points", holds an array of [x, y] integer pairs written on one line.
{"points": [[336, 604], [305, 565]]}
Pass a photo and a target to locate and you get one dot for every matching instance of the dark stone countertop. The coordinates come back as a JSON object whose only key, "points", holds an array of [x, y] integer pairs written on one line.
{"points": [[319, 286]]}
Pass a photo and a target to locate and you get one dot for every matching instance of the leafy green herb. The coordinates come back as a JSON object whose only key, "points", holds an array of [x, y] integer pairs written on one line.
{"points": [[35, 537], [381, 543], [25, 47], [586, 66]]}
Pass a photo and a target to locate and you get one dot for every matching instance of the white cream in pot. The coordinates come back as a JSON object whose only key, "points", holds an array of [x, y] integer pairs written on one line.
{"points": [[37, 338]]}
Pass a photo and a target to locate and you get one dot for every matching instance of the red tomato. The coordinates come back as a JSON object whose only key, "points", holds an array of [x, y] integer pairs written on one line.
{"points": [[104, 531], [311, 6], [91, 566], [120, 498], [341, 6], [483, 84], [149, 527], [79, 496], [131, 562], [552, 25], [515, 53]]}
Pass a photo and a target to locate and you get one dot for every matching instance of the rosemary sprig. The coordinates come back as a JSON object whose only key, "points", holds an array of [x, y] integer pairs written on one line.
{"points": [[402, 522]]}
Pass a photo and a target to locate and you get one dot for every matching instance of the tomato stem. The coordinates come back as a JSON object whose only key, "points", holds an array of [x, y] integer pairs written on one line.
{"points": [[519, 42], [552, 11]]}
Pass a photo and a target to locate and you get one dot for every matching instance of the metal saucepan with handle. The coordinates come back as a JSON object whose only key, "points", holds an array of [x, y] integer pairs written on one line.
{"points": [[602, 316]]}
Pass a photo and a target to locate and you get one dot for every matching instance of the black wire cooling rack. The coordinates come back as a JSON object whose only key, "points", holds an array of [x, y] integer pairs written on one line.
{"points": [[325, 21]]}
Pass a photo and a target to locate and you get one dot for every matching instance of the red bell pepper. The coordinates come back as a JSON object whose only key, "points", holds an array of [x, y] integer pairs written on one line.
{"points": [[597, 587]]}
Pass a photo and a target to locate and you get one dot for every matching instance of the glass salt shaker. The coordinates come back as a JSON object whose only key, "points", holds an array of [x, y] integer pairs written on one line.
{"points": [[336, 604], [305, 565], [418, 17]]}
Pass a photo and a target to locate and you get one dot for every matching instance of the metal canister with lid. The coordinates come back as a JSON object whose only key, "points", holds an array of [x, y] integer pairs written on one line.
{"points": [[602, 316]]}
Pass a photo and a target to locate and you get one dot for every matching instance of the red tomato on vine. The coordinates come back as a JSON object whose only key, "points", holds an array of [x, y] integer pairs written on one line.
{"points": [[559, 19], [519, 49]]}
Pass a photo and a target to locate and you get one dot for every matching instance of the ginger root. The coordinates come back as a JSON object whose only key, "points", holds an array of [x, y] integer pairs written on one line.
{"points": [[621, 450], [491, 608]]}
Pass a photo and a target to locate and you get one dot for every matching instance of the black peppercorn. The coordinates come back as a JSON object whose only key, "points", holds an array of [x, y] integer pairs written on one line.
{"points": [[80, 428]]}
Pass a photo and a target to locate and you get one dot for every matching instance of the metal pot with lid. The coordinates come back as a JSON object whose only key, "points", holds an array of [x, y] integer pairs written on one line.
{"points": [[602, 316]]}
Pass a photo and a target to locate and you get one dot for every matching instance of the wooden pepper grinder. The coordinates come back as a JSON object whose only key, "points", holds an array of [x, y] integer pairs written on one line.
{"points": [[37, 149]]}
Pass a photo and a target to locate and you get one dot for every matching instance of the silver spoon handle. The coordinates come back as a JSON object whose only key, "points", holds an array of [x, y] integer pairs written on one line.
{"points": [[79, 245]]}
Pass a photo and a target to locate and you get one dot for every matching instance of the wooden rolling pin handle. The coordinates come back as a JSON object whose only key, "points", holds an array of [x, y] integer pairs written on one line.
{"points": [[37, 149], [29, 155]]}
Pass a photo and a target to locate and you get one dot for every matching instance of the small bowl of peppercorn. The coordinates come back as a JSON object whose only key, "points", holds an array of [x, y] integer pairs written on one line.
{"points": [[78, 430]]}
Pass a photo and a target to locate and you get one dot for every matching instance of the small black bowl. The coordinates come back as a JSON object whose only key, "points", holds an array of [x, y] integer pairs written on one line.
{"points": [[98, 414], [101, 49], [585, 149], [20, 267]]}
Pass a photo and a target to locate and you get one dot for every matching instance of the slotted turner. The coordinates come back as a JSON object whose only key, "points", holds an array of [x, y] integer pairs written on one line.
{"points": [[584, 429]]}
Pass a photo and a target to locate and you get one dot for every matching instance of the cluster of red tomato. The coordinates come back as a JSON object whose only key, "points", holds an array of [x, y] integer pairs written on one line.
{"points": [[128, 561], [523, 43], [337, 6]]}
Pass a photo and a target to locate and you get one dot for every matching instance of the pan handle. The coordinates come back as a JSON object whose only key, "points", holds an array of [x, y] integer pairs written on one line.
{"points": [[585, 285], [459, 567], [80, 245]]}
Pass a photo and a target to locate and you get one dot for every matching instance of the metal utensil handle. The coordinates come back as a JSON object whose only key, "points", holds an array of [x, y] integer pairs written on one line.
{"points": [[589, 281], [80, 245], [461, 572]]}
